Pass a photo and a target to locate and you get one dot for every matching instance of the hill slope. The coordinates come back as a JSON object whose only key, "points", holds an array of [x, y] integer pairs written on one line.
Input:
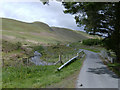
{"points": [[37, 32]]}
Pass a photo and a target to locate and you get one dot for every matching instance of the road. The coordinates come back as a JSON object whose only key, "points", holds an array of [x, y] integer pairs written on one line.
{"points": [[94, 74]]}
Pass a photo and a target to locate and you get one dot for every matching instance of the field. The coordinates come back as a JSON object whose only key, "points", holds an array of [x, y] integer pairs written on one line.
{"points": [[17, 75], [20, 40], [37, 76], [38, 33]]}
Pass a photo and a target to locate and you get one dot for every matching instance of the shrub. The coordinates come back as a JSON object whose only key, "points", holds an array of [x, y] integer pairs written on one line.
{"points": [[18, 45], [38, 48], [8, 46], [91, 42]]}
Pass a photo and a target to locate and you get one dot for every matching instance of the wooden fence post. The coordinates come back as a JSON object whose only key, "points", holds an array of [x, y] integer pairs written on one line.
{"points": [[60, 59], [27, 61], [2, 62]]}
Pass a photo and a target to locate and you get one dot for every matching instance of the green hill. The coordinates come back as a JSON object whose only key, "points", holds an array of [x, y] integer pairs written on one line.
{"points": [[37, 32]]}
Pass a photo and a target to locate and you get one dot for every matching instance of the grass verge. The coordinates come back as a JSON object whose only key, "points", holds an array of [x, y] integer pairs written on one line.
{"points": [[37, 76], [93, 50], [109, 64], [70, 81]]}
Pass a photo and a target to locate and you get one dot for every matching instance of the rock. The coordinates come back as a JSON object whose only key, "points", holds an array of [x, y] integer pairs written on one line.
{"points": [[68, 45], [81, 85], [36, 53]]}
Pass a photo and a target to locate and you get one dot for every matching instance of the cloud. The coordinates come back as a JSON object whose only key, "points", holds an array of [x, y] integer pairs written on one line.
{"points": [[51, 14]]}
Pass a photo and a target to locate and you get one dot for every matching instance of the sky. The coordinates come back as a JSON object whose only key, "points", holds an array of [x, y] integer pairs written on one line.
{"points": [[51, 14]]}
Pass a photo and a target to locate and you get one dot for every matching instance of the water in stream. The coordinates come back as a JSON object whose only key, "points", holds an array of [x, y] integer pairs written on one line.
{"points": [[37, 61]]}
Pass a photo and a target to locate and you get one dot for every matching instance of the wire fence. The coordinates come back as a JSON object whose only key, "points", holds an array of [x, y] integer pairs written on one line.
{"points": [[107, 55], [79, 55]]}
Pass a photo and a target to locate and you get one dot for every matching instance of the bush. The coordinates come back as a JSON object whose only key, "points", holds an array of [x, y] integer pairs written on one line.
{"points": [[91, 42], [8, 46], [38, 48], [18, 45]]}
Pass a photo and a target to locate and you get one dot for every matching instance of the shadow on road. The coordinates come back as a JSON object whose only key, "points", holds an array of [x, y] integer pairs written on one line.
{"points": [[100, 63], [102, 70]]}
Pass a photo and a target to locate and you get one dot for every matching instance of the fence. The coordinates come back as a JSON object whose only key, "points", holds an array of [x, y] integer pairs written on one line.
{"points": [[107, 55], [69, 61]]}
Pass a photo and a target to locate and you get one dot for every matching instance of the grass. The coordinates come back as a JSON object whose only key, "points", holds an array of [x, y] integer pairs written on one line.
{"points": [[79, 45], [37, 76], [70, 81], [87, 35], [37, 33], [51, 53], [13, 53], [115, 67], [21, 39], [0, 79], [96, 50], [27, 37]]}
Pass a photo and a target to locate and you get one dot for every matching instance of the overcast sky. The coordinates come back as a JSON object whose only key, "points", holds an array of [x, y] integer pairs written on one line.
{"points": [[51, 14]]}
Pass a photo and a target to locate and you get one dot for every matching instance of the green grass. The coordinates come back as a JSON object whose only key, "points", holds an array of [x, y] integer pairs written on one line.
{"points": [[13, 53], [0, 76], [79, 45], [87, 35], [49, 41], [115, 67], [93, 49], [37, 33], [53, 52], [68, 34], [27, 37], [36, 76]]}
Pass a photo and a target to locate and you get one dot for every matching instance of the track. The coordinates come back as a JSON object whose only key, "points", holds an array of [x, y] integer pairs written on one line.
{"points": [[94, 74]]}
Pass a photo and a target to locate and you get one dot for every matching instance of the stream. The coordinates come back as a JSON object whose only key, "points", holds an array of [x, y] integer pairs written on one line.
{"points": [[37, 61]]}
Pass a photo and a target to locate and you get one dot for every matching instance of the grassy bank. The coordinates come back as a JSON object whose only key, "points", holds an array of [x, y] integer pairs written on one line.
{"points": [[17, 75], [14, 53], [37, 33], [37, 76], [115, 67], [79, 45]]}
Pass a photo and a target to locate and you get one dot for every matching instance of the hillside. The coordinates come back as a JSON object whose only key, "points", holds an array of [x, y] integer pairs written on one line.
{"points": [[37, 32]]}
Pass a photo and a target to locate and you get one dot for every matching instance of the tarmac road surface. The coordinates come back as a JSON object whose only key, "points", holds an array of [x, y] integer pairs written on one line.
{"points": [[94, 74]]}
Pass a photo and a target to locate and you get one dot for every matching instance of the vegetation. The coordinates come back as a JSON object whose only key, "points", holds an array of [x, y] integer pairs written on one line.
{"points": [[16, 74], [99, 19], [37, 33], [21, 39], [88, 35], [37, 76], [13, 53], [91, 42], [79, 45], [115, 67]]}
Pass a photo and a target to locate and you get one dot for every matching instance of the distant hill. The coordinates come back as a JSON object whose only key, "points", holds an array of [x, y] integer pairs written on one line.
{"points": [[38, 32]]}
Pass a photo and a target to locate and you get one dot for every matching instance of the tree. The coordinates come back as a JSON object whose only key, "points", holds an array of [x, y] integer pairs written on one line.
{"points": [[99, 19]]}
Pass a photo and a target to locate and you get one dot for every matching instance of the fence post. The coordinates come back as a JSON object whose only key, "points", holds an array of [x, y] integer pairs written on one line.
{"points": [[60, 59], [27, 61], [2, 62]]}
